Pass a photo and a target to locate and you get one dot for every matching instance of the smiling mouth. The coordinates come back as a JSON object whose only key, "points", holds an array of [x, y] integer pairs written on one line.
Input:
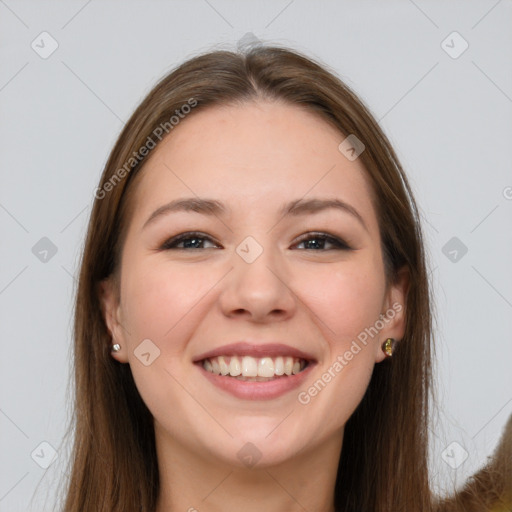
{"points": [[261, 369]]}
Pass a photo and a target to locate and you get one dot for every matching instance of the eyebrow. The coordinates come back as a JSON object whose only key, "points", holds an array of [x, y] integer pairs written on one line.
{"points": [[212, 207]]}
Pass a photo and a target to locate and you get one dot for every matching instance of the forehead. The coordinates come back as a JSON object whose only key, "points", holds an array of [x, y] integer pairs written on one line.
{"points": [[257, 155]]}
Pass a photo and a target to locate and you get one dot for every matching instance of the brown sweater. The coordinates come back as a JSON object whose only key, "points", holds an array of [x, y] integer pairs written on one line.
{"points": [[490, 489]]}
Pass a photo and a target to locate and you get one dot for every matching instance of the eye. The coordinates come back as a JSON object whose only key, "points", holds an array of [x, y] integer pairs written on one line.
{"points": [[190, 240], [313, 241], [317, 241]]}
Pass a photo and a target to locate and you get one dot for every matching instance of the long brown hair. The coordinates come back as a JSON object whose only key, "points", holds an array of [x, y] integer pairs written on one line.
{"points": [[383, 464]]}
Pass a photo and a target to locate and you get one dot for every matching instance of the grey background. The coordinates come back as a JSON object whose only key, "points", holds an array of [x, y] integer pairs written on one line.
{"points": [[450, 120]]}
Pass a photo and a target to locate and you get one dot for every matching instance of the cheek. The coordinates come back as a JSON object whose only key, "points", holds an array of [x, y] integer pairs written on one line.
{"points": [[347, 389], [347, 299], [159, 302], [330, 398], [162, 303]]}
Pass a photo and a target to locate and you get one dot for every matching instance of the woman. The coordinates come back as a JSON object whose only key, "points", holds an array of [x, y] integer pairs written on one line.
{"points": [[253, 318]]}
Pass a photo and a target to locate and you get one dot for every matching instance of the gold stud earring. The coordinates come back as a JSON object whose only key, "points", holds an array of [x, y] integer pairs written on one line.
{"points": [[388, 347]]}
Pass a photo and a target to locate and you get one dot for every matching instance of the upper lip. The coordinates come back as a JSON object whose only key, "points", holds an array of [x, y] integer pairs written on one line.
{"points": [[244, 348]]}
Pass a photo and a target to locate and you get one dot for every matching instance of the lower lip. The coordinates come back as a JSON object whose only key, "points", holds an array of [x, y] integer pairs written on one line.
{"points": [[251, 390]]}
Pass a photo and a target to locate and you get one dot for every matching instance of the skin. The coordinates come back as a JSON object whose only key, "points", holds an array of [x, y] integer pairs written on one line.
{"points": [[253, 158]]}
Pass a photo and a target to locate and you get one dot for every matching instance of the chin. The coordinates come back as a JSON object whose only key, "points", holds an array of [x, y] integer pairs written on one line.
{"points": [[257, 446]]}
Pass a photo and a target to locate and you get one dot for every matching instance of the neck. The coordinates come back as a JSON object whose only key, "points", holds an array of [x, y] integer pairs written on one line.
{"points": [[193, 483]]}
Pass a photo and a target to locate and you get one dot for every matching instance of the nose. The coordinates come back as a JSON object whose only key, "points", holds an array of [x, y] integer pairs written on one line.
{"points": [[258, 291]]}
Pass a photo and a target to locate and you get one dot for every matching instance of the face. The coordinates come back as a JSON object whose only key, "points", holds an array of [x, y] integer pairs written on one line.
{"points": [[268, 280]]}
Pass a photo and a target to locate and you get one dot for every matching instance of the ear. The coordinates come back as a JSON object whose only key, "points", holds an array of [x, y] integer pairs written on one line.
{"points": [[111, 311], [393, 314]]}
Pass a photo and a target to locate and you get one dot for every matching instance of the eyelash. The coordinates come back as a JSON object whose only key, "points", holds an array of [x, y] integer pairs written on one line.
{"points": [[194, 235]]}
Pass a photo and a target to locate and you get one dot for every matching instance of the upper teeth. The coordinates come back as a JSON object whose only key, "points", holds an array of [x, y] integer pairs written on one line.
{"points": [[248, 366]]}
